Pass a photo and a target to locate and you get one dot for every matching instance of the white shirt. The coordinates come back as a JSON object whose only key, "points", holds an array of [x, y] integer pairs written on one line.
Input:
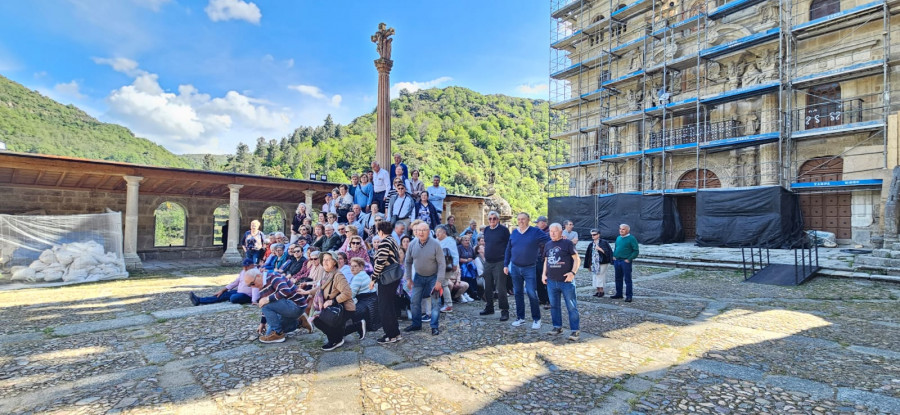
{"points": [[436, 196], [381, 180]]}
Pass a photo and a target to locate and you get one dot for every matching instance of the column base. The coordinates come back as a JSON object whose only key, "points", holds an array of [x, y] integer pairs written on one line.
{"points": [[133, 262], [232, 258]]}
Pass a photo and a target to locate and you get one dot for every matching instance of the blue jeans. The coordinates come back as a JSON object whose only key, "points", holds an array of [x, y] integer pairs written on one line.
{"points": [[567, 289], [230, 295], [421, 285], [254, 255], [623, 272], [520, 276], [282, 315]]}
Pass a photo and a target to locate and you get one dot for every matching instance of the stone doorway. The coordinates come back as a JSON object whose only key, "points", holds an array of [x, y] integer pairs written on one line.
{"points": [[829, 212], [687, 204]]}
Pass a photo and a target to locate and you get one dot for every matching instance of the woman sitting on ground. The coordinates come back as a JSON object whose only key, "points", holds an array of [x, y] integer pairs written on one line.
{"points": [[335, 290]]}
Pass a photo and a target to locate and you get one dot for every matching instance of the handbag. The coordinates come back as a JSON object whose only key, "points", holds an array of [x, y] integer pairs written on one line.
{"points": [[390, 274], [331, 315]]}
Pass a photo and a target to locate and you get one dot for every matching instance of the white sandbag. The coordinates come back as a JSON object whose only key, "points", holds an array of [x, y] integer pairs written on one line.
{"points": [[92, 247], [48, 257], [85, 262], [108, 258], [38, 266], [77, 274], [51, 274], [65, 256], [24, 274]]}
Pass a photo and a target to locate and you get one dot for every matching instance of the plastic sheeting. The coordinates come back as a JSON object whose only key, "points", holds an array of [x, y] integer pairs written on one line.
{"points": [[767, 217], [653, 218], [61, 249]]}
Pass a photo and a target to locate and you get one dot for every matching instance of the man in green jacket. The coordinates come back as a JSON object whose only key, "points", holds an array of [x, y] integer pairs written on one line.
{"points": [[623, 256]]}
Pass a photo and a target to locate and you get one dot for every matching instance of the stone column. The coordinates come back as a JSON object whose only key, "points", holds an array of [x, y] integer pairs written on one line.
{"points": [[448, 211], [231, 255], [768, 164], [132, 260], [383, 118], [309, 200]]}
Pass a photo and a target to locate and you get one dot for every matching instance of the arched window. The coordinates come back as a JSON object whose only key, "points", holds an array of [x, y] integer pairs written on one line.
{"points": [[708, 180], [620, 28], [220, 216], [273, 220], [822, 8], [823, 106], [602, 187], [821, 169], [170, 225]]}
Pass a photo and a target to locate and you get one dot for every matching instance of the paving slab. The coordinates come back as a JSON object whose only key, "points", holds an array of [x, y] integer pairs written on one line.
{"points": [[102, 325], [195, 311]]}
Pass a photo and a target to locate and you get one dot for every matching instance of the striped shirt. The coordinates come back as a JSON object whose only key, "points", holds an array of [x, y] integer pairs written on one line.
{"points": [[387, 254], [281, 288]]}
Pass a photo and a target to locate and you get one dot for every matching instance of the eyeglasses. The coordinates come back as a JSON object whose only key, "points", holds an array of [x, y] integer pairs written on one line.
{"points": [[493, 218], [595, 234], [314, 259], [354, 243]]}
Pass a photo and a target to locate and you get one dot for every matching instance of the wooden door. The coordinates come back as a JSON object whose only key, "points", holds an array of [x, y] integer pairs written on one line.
{"points": [[829, 212], [687, 205]]}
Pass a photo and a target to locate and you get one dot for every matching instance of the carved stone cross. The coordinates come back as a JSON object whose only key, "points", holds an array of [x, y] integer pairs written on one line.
{"points": [[382, 40]]}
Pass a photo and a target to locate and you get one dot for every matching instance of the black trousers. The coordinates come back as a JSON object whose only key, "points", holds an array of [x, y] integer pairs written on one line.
{"points": [[335, 334], [494, 278], [543, 298], [387, 296]]}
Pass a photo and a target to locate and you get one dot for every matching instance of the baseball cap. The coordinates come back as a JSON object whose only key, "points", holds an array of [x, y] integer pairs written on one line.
{"points": [[540, 219], [247, 262]]}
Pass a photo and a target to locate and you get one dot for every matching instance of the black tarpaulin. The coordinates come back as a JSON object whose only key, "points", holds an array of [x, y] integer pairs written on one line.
{"points": [[767, 217], [653, 218]]}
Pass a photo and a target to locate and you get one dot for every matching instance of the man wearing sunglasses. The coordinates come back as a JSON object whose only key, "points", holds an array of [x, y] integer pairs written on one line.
{"points": [[496, 237], [401, 207]]}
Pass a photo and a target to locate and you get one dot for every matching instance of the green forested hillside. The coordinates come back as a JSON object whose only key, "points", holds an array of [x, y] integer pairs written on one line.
{"points": [[479, 144], [31, 122]]}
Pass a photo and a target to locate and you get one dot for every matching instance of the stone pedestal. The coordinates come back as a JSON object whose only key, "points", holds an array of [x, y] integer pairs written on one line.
{"points": [[383, 118], [231, 255], [129, 243]]}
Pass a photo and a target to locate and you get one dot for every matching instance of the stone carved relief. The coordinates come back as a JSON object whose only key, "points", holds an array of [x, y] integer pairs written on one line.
{"points": [[635, 59], [662, 52], [634, 99], [725, 33], [732, 72], [768, 15]]}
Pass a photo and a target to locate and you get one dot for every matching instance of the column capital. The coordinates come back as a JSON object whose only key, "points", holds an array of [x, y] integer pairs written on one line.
{"points": [[133, 180], [384, 65], [309, 192], [235, 188]]}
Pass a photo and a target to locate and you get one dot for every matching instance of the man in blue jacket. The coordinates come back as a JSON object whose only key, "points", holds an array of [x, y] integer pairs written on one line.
{"points": [[519, 263]]}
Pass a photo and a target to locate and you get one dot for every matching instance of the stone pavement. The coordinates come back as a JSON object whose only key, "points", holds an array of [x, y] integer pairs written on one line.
{"points": [[692, 342]]}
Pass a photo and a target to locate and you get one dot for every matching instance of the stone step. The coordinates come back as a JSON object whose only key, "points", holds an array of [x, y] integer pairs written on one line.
{"points": [[895, 246], [887, 266]]}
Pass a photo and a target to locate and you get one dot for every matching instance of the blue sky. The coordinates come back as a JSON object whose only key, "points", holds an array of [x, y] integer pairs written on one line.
{"points": [[202, 75]]}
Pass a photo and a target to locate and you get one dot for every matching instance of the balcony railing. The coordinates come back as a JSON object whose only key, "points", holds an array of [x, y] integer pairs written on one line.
{"points": [[694, 133], [838, 113]]}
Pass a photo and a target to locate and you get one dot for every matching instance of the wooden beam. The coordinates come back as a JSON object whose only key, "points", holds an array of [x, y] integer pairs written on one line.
{"points": [[39, 176], [61, 178]]}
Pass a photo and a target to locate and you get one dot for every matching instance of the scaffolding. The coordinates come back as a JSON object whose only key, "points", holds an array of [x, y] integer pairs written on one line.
{"points": [[657, 94]]}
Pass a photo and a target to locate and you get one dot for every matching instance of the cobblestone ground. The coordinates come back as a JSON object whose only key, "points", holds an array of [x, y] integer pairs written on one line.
{"points": [[691, 342]]}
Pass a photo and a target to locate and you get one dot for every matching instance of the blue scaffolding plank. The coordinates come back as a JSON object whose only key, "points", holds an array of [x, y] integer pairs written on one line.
{"points": [[741, 141], [671, 148], [673, 106], [839, 129], [593, 94], [841, 15], [621, 155], [670, 191], [845, 73], [565, 73], [624, 118], [627, 45], [679, 25], [564, 166], [566, 41], [731, 7], [837, 183], [740, 93], [631, 10], [571, 102], [623, 78], [741, 43]]}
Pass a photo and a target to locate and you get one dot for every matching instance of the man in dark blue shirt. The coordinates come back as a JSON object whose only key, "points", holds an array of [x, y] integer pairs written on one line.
{"points": [[519, 263], [560, 265], [496, 238]]}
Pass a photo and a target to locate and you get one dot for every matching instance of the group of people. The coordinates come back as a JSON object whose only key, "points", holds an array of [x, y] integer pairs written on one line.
{"points": [[359, 269]]}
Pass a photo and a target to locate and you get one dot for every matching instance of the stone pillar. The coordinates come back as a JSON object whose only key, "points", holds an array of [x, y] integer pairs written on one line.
{"points": [[768, 164], [309, 201], [231, 255], [132, 260], [383, 118], [448, 211]]}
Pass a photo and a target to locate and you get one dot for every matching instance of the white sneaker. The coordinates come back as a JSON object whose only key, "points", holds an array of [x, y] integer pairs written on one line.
{"points": [[536, 325], [469, 298], [518, 322]]}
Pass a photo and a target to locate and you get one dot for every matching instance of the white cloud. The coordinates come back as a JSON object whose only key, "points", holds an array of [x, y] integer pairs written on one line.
{"points": [[154, 5], [189, 120], [223, 10], [316, 92], [123, 65], [71, 89], [415, 86], [529, 89], [289, 63]]}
